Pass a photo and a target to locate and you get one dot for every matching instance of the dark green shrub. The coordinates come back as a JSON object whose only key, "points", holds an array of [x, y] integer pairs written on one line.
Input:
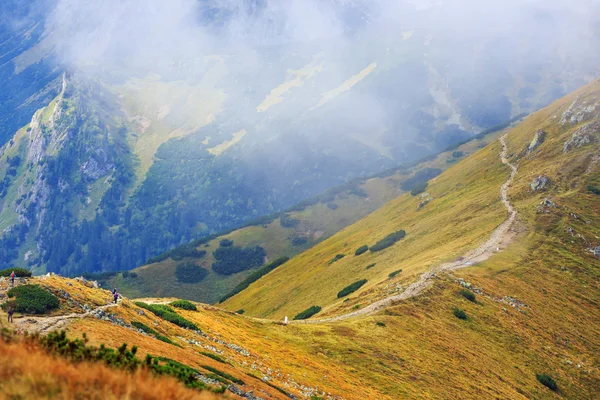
{"points": [[332, 206], [240, 311], [146, 329], [233, 259], [467, 294], [380, 323], [351, 288], [184, 305], [420, 177], [388, 241], [370, 266], [253, 277], [189, 272], [594, 189], [32, 299], [336, 258], [457, 154], [19, 272], [226, 243], [224, 375], [133, 275], [361, 250], [393, 274], [168, 314], [418, 188], [214, 357], [460, 314], [547, 381], [309, 312], [125, 274], [288, 222]]}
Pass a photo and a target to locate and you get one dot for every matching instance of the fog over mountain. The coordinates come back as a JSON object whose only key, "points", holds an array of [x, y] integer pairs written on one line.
{"points": [[173, 120]]}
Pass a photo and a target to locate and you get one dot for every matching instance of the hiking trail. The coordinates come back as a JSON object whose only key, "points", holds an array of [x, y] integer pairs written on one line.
{"points": [[499, 239]]}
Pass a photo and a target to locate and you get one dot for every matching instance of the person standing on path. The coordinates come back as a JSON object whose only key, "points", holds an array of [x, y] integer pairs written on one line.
{"points": [[116, 296], [12, 278], [11, 311]]}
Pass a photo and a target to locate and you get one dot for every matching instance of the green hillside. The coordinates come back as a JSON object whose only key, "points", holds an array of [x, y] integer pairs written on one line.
{"points": [[464, 210]]}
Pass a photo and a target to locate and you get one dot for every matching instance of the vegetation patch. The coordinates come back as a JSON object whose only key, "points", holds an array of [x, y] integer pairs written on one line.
{"points": [[253, 277], [370, 266], [224, 375], [593, 189], [146, 329], [189, 272], [214, 357], [388, 241], [299, 240], [393, 274], [288, 222], [351, 288], [129, 275], [419, 178], [226, 243], [309, 312], [547, 381], [460, 314], [233, 259], [168, 314], [361, 250], [184, 305], [19, 272], [240, 311], [418, 188], [337, 258], [380, 323], [31, 299], [467, 294]]}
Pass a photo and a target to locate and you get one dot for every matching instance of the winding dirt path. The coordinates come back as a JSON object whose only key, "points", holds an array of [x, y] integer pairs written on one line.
{"points": [[499, 239], [46, 324]]}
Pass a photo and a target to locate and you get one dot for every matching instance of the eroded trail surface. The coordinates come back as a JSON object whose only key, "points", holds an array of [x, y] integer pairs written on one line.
{"points": [[47, 324], [498, 240]]}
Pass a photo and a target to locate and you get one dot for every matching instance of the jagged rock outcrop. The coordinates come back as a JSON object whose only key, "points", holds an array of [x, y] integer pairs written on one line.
{"points": [[580, 111], [587, 134], [538, 139], [540, 183]]}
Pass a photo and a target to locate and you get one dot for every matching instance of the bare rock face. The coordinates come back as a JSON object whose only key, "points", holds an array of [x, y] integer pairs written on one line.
{"points": [[580, 111], [587, 134], [539, 183], [538, 139]]}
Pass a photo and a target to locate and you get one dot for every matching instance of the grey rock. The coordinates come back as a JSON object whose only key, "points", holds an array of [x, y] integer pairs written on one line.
{"points": [[538, 139], [587, 134], [596, 251], [539, 183], [548, 203]]}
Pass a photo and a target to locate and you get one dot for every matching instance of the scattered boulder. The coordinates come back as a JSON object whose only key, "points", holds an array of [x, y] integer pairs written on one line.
{"points": [[539, 183], [538, 139], [579, 111], [588, 133], [596, 251]]}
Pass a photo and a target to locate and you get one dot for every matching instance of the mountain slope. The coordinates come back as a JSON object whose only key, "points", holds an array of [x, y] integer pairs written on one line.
{"points": [[465, 209], [287, 234]]}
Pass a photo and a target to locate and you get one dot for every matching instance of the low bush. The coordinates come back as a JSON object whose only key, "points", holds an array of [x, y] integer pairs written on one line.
{"points": [[32, 299], [351, 288], [420, 177], [233, 259], [224, 374], [226, 243], [240, 311], [418, 189], [361, 250], [189, 272], [332, 206], [457, 154], [19, 272], [547, 381], [299, 240], [594, 189], [214, 357], [370, 266], [253, 277], [337, 258], [184, 305], [467, 294], [393, 274], [168, 314], [388, 241], [309, 312], [460, 314], [380, 323], [146, 329]]}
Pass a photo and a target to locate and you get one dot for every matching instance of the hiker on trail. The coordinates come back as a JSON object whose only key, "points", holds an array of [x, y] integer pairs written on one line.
{"points": [[116, 295], [12, 278], [11, 311]]}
